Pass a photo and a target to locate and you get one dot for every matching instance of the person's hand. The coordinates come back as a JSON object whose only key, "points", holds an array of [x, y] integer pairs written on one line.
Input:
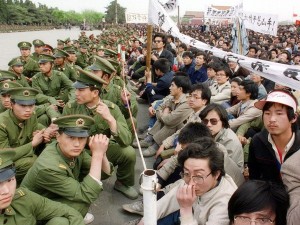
{"points": [[242, 139], [152, 111], [186, 196], [154, 57], [159, 151], [162, 163], [98, 144], [166, 110], [148, 76], [178, 148], [103, 111], [37, 138], [125, 95], [50, 132], [60, 103]]}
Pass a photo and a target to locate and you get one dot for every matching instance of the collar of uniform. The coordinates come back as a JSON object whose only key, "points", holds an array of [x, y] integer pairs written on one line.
{"points": [[9, 211], [15, 119], [220, 134], [70, 162], [49, 77]]}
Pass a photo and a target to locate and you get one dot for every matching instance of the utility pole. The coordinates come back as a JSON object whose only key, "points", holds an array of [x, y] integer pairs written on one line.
{"points": [[116, 10]]}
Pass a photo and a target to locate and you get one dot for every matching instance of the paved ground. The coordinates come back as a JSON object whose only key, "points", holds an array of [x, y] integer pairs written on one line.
{"points": [[108, 208]]}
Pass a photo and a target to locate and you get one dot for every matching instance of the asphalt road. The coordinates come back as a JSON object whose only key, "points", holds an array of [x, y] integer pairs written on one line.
{"points": [[108, 208]]}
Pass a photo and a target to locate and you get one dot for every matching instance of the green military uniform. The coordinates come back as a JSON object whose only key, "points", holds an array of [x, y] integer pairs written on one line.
{"points": [[21, 79], [4, 86], [119, 152], [37, 43], [66, 68], [82, 58], [65, 180], [17, 134], [31, 67], [55, 86], [28, 207]]}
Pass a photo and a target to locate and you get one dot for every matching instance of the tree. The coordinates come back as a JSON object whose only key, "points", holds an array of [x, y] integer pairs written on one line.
{"points": [[92, 17], [110, 16]]}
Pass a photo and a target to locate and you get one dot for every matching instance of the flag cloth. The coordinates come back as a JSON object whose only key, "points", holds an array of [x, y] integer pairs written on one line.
{"points": [[170, 6]]}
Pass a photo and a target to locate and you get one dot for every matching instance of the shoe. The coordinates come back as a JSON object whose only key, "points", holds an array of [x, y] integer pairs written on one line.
{"points": [[89, 218], [136, 207], [128, 191], [143, 135], [150, 151], [133, 222], [143, 143]]}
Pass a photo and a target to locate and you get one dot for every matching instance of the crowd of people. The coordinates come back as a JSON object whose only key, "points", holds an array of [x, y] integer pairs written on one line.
{"points": [[225, 140]]}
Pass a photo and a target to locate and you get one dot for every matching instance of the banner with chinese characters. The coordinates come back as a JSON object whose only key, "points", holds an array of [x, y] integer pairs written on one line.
{"points": [[288, 75], [260, 22], [136, 18], [170, 5], [212, 12]]}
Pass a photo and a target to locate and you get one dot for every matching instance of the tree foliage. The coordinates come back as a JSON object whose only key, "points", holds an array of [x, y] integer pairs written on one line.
{"points": [[25, 12], [110, 16]]}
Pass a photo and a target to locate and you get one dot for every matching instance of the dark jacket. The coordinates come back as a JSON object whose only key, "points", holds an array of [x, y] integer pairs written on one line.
{"points": [[263, 164], [167, 55]]}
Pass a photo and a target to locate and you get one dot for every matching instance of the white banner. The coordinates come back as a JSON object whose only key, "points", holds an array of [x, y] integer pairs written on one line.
{"points": [[260, 22], [212, 12], [287, 75], [170, 6], [136, 18]]}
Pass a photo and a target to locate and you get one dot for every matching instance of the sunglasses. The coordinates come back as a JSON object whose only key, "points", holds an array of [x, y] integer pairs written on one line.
{"points": [[212, 121]]}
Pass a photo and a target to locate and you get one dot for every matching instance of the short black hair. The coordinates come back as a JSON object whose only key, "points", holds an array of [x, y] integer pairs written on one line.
{"points": [[183, 45], [253, 47], [257, 195], [237, 79], [188, 54], [225, 68], [205, 91], [205, 148], [214, 65], [219, 110], [162, 36], [192, 131], [183, 82], [250, 88], [162, 64]]}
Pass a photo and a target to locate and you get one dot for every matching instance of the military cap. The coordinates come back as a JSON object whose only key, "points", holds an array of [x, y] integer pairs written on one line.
{"points": [[6, 85], [100, 47], [75, 41], [77, 125], [48, 48], [104, 42], [83, 45], [7, 168], [23, 95], [69, 49], [116, 65], [15, 62], [43, 58], [87, 79], [60, 54], [109, 52], [103, 65], [38, 42], [60, 42], [7, 75], [24, 45], [67, 40]]}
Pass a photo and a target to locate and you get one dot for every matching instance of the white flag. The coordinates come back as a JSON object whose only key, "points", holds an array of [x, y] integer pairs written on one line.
{"points": [[170, 6]]}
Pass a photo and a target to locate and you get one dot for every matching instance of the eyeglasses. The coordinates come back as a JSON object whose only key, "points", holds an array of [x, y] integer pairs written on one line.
{"points": [[197, 179], [213, 121], [243, 220], [157, 41], [194, 97]]}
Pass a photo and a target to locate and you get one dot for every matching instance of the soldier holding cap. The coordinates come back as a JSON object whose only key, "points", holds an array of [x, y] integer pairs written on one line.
{"points": [[280, 139], [64, 171], [54, 86], [21, 206], [16, 66], [109, 121], [19, 128], [60, 64], [38, 49], [31, 67]]}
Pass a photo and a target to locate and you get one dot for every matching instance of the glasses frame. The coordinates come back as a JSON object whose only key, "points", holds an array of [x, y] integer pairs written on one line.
{"points": [[194, 97], [249, 220], [184, 176], [210, 120]]}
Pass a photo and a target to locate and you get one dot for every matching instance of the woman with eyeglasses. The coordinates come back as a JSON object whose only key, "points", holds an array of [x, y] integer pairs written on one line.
{"points": [[260, 203], [215, 117]]}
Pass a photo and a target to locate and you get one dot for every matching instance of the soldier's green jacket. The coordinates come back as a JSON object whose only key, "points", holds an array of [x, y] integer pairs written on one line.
{"points": [[61, 179], [31, 67], [68, 70], [17, 135], [35, 56], [22, 80], [123, 135], [27, 207], [82, 60], [113, 93], [58, 85]]}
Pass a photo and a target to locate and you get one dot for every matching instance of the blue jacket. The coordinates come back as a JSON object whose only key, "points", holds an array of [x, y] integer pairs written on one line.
{"points": [[198, 76], [163, 85]]}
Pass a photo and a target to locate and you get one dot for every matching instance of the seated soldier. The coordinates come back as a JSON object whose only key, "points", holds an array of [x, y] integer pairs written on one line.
{"points": [[64, 171], [244, 111], [21, 206], [20, 130], [259, 202], [170, 116], [16, 66]]}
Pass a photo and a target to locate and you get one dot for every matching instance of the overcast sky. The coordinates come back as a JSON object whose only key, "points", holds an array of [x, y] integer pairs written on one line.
{"points": [[283, 8]]}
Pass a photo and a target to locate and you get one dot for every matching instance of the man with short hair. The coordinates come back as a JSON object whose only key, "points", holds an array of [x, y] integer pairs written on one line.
{"points": [[83, 56], [60, 64], [280, 139], [160, 42], [38, 49], [17, 67]]}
